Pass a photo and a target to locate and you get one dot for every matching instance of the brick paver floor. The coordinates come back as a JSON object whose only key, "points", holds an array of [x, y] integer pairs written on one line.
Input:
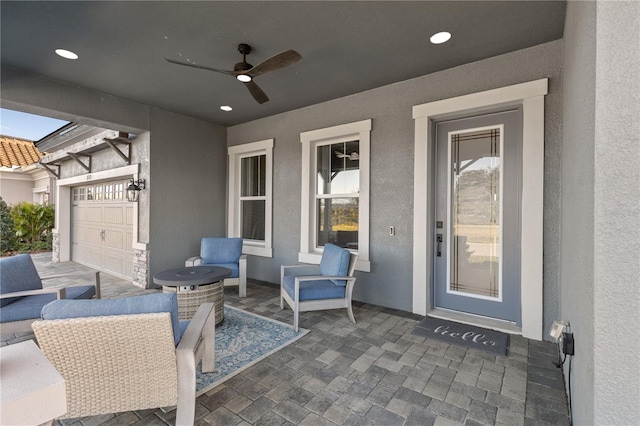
{"points": [[375, 372]]}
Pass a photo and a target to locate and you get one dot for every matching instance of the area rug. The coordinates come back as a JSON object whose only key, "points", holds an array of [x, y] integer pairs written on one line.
{"points": [[242, 340], [463, 334]]}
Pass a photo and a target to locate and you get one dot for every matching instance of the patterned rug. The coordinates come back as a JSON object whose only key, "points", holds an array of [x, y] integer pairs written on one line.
{"points": [[242, 340]]}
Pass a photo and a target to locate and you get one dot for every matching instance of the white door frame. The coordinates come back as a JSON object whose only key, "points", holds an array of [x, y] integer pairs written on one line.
{"points": [[531, 96]]}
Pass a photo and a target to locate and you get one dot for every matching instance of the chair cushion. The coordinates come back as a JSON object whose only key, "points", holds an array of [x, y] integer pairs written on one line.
{"points": [[147, 304], [220, 250], [335, 262], [234, 267], [29, 307], [314, 290], [18, 273]]}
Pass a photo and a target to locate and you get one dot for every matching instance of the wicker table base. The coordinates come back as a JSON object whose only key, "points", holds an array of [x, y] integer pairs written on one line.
{"points": [[189, 301]]}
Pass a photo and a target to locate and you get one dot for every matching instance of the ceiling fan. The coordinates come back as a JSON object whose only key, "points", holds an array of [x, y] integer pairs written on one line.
{"points": [[245, 72]]}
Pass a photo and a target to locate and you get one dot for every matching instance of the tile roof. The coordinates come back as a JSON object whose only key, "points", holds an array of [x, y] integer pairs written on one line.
{"points": [[17, 152]]}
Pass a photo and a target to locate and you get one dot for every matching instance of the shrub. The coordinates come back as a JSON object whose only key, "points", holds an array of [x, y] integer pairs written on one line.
{"points": [[7, 234], [33, 222]]}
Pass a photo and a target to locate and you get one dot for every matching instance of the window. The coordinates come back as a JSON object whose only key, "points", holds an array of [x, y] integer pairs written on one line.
{"points": [[111, 191], [335, 191], [250, 170]]}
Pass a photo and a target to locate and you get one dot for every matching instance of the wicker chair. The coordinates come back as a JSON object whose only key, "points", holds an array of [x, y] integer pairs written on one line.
{"points": [[114, 362], [319, 287]]}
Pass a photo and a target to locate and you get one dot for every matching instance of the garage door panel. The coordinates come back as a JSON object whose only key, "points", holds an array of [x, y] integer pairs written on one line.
{"points": [[79, 213], [80, 232], [93, 257], [113, 264], [129, 215], [114, 239], [93, 235], [128, 267], [94, 214], [113, 215]]}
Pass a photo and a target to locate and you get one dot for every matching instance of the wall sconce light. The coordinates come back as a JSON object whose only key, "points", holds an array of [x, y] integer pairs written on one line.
{"points": [[134, 188]]}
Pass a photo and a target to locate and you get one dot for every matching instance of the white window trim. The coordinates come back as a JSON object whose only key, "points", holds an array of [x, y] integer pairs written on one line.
{"points": [[531, 96], [360, 130], [236, 153]]}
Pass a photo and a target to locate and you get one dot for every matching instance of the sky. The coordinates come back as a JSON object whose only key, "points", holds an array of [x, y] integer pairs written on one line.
{"points": [[27, 126]]}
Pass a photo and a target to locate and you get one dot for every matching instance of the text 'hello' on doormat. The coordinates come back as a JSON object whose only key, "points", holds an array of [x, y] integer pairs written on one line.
{"points": [[463, 334]]}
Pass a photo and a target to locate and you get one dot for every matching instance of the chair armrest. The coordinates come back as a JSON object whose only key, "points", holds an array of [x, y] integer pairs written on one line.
{"points": [[81, 274], [199, 337], [325, 277], [193, 261], [61, 293], [197, 341], [300, 270]]}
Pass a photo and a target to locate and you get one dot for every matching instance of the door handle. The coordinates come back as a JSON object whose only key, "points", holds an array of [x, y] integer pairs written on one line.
{"points": [[102, 235], [439, 241]]}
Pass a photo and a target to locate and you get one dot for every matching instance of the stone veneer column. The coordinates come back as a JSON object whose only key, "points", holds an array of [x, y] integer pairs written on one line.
{"points": [[55, 247], [141, 268]]}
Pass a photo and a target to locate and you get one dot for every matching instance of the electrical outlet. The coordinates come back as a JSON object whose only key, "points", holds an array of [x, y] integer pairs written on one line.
{"points": [[567, 344]]}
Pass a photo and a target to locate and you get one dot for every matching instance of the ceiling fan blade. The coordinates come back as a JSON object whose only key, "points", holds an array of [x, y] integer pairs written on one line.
{"points": [[202, 67], [256, 92], [278, 61]]}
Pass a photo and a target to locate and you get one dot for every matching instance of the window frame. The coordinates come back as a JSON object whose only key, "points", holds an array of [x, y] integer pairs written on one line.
{"points": [[360, 131], [235, 155]]}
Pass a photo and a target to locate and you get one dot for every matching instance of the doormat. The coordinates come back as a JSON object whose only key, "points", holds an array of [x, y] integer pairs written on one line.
{"points": [[464, 335]]}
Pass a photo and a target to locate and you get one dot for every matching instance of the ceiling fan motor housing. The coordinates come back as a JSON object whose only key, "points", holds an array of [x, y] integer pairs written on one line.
{"points": [[244, 48], [242, 66]]}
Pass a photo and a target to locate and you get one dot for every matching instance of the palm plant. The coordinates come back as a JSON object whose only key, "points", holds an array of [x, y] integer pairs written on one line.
{"points": [[32, 222]]}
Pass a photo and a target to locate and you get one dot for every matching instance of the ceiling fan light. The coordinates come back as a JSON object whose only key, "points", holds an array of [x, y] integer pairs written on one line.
{"points": [[440, 37], [67, 54], [245, 78]]}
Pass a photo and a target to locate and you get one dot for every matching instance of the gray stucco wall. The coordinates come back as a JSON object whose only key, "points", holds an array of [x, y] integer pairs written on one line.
{"points": [[601, 209], [617, 215], [577, 196], [392, 137], [187, 187]]}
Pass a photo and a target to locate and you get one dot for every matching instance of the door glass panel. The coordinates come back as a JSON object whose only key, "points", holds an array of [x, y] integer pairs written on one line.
{"points": [[476, 246]]}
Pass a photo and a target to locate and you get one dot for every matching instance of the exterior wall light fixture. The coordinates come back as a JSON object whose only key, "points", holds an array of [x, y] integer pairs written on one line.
{"points": [[134, 188]]}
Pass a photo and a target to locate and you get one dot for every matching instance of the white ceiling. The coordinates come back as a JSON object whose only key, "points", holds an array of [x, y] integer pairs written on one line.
{"points": [[346, 47]]}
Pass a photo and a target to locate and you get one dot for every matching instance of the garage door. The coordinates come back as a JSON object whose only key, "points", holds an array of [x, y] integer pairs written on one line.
{"points": [[102, 228]]}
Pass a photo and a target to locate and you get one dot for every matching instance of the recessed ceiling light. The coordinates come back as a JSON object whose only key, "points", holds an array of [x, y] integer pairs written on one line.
{"points": [[440, 37], [67, 54], [226, 108], [244, 78]]}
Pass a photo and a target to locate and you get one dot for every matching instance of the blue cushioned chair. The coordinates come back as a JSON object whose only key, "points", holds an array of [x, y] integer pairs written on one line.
{"points": [[227, 253], [127, 354], [314, 288], [22, 295]]}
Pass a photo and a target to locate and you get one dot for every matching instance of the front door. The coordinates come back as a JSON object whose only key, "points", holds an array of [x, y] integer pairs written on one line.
{"points": [[477, 211]]}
